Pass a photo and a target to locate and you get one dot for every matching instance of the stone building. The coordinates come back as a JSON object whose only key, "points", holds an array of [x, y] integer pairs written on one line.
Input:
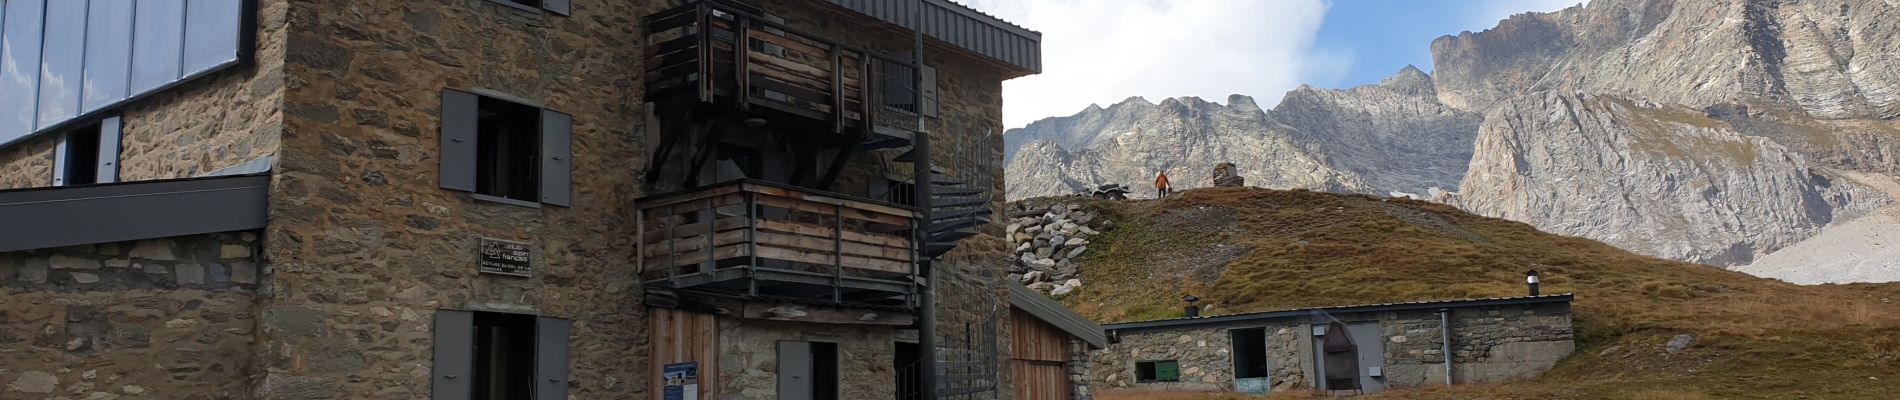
{"points": [[295, 199], [1393, 346]]}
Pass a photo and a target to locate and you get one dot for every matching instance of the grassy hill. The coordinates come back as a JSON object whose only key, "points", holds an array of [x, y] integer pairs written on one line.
{"points": [[1248, 249]]}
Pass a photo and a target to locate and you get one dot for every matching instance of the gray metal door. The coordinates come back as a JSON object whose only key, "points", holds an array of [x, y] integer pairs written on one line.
{"points": [[794, 370], [1371, 343], [1368, 341]]}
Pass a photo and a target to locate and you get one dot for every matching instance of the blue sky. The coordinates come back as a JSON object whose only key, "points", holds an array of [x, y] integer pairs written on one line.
{"points": [[1104, 51]]}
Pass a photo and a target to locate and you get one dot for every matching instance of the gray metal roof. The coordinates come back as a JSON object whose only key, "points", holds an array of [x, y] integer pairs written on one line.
{"points": [[74, 215], [1265, 315], [961, 26], [1056, 315]]}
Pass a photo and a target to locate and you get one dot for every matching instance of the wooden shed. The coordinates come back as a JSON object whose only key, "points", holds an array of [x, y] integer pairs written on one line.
{"points": [[1048, 345]]}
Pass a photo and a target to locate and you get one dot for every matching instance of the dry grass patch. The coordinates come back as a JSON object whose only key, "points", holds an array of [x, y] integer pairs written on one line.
{"points": [[1755, 338]]}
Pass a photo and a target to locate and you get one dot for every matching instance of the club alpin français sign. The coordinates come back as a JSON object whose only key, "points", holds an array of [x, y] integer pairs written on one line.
{"points": [[503, 257]]}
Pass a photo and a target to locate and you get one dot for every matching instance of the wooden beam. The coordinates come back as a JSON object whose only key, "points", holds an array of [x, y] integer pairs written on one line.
{"points": [[825, 315]]}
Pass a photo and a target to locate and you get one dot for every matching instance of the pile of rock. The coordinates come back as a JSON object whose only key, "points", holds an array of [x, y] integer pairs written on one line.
{"points": [[1228, 175], [1047, 244]]}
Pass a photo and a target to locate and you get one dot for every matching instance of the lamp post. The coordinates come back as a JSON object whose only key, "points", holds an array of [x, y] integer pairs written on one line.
{"points": [[1531, 279], [1192, 310]]}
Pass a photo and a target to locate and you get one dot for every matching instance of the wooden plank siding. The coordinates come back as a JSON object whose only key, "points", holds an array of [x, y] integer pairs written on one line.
{"points": [[784, 229], [781, 67], [680, 336], [1040, 358]]}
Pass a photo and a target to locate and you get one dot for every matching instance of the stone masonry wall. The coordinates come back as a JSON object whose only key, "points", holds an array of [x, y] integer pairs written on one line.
{"points": [[28, 163], [1079, 370], [209, 123], [364, 246], [1489, 344], [748, 357], [159, 318]]}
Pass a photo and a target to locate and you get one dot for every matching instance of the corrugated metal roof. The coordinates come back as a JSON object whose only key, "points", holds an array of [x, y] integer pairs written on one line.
{"points": [[1055, 314], [1415, 305], [961, 26]]}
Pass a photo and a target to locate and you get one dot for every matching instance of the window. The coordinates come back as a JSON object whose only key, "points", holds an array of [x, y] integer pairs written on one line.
{"points": [[499, 356], [61, 61], [504, 356], [508, 150], [1157, 371], [87, 154], [1250, 353], [563, 7], [504, 151], [807, 370], [900, 192]]}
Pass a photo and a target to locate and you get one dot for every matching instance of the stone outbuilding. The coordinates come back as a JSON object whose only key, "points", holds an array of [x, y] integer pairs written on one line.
{"points": [[1370, 348]]}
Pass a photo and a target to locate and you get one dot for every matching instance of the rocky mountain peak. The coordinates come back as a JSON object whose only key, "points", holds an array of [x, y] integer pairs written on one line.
{"points": [[1410, 81]]}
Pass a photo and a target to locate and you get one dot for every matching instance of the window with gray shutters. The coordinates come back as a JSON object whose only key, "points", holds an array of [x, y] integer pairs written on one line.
{"points": [[505, 151], [499, 356], [87, 154]]}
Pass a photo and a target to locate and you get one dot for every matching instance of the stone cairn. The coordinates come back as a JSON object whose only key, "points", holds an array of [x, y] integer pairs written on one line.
{"points": [[1047, 244], [1227, 175]]}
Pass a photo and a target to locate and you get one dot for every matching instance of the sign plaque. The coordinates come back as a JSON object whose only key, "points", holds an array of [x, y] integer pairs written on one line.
{"points": [[502, 257]]}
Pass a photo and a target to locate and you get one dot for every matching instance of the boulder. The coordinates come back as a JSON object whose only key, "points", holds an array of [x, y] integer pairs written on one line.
{"points": [[1061, 290], [1077, 251], [1044, 287], [1031, 277], [1076, 242]]}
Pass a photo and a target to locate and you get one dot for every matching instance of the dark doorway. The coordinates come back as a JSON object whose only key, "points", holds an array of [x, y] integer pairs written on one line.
{"points": [[807, 370], [504, 356], [1250, 353], [907, 378], [82, 155]]}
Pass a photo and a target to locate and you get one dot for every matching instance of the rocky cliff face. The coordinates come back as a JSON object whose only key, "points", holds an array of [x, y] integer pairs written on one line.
{"points": [[1393, 137], [1715, 131], [1827, 58], [1656, 179]]}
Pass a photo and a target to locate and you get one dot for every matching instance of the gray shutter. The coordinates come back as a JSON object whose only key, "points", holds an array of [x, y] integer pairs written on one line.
{"points": [[109, 150], [929, 107], [563, 7], [460, 111], [557, 131], [454, 363], [550, 353], [794, 370], [61, 158]]}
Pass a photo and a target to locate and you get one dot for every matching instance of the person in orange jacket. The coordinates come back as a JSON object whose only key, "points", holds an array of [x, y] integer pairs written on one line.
{"points": [[1161, 185]]}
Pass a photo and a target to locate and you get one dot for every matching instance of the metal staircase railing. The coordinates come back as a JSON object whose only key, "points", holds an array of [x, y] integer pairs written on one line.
{"points": [[960, 206]]}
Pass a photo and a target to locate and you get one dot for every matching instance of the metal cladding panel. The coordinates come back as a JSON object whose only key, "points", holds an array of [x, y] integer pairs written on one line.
{"points": [[63, 62], [960, 26], [87, 214]]}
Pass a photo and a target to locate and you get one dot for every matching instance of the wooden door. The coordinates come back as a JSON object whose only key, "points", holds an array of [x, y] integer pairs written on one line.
{"points": [[678, 336], [1040, 352]]}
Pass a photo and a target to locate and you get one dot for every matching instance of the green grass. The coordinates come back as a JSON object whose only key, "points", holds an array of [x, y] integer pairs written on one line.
{"points": [[1756, 338]]}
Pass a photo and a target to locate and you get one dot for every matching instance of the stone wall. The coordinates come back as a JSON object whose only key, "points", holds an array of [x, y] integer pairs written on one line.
{"points": [[748, 357], [159, 318], [28, 163], [1489, 344], [209, 123], [1079, 370], [364, 245]]}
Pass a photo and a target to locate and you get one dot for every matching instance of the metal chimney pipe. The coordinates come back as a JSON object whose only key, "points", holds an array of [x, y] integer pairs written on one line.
{"points": [[1531, 279]]}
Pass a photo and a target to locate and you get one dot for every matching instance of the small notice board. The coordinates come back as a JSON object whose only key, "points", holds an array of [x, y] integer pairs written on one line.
{"points": [[682, 381], [502, 257]]}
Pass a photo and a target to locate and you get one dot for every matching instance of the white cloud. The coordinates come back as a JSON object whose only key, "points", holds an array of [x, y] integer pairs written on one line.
{"points": [[1103, 51]]}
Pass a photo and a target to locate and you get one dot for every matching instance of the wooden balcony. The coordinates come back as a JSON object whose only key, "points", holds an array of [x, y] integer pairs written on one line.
{"points": [[757, 239], [775, 69]]}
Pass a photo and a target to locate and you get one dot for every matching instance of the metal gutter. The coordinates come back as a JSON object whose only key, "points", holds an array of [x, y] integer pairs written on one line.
{"points": [[1056, 315], [37, 218], [1266, 315]]}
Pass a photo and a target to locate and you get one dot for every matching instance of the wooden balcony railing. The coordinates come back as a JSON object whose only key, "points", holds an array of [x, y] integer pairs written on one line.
{"points": [[759, 239], [691, 51]]}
